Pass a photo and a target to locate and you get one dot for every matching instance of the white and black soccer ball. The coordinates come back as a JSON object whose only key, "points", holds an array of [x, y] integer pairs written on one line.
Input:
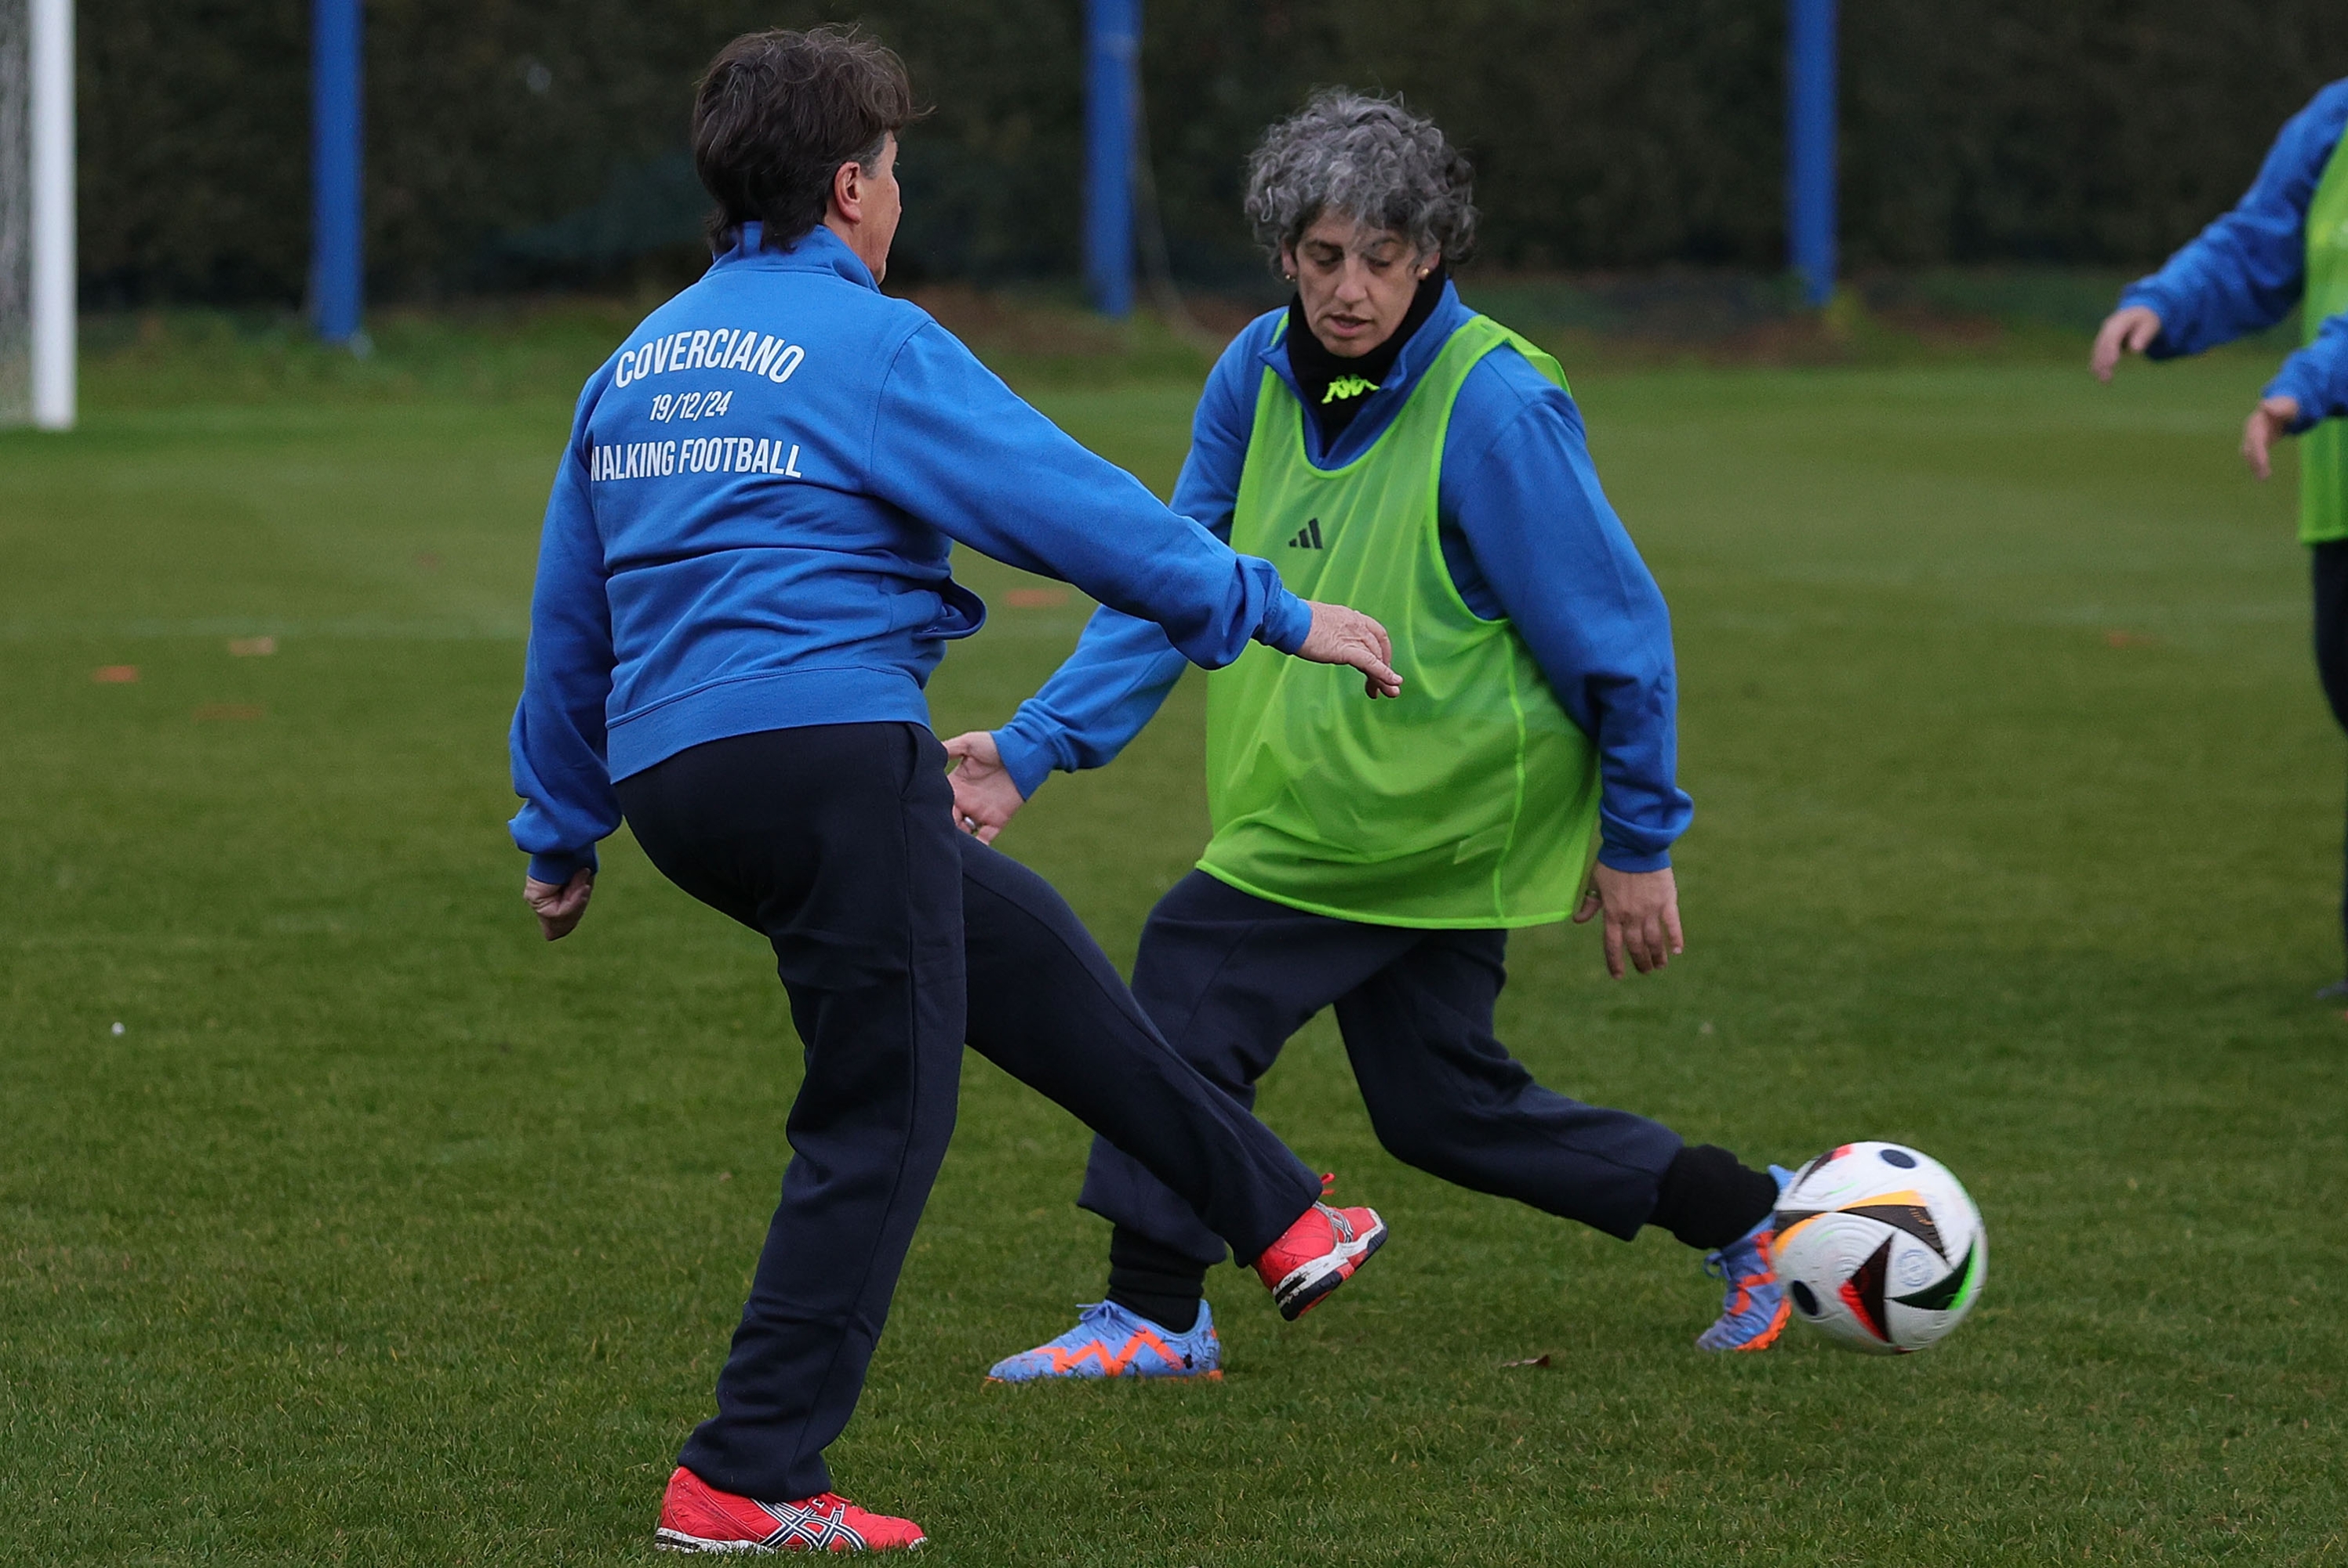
{"points": [[1879, 1249]]}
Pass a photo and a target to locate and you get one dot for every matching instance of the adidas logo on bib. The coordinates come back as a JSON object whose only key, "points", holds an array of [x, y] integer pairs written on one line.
{"points": [[1308, 537]]}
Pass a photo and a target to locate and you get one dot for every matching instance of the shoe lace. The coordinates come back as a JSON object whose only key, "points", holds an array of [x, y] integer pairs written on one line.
{"points": [[1721, 1266], [1091, 1312]]}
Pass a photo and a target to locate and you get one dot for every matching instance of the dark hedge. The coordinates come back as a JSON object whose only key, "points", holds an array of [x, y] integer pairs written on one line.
{"points": [[524, 142]]}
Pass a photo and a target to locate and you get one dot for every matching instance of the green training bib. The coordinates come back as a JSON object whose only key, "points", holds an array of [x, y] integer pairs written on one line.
{"points": [[1469, 801], [2323, 451]]}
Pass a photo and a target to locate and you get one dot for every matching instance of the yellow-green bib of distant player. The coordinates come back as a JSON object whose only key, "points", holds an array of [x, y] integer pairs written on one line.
{"points": [[1469, 801], [2323, 451]]}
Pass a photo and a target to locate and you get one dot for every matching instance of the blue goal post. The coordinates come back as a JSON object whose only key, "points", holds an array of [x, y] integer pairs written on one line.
{"points": [[1112, 63], [336, 258], [1810, 28]]}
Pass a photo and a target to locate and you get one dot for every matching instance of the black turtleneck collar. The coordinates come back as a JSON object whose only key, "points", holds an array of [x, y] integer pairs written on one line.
{"points": [[1335, 388]]}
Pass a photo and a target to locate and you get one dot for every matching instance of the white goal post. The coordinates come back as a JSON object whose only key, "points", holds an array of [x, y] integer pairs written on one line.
{"points": [[36, 213]]}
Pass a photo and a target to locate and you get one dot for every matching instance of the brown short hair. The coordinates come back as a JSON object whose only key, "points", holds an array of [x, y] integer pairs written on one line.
{"points": [[778, 112]]}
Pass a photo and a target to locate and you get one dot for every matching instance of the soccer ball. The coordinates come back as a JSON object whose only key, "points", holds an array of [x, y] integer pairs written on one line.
{"points": [[1879, 1249]]}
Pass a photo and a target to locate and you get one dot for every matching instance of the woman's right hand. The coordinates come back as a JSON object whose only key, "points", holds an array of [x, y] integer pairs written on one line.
{"points": [[2128, 330], [984, 797], [2268, 422], [1343, 636]]}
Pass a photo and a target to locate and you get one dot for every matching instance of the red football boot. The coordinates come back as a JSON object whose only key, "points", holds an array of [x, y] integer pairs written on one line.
{"points": [[697, 1517], [1317, 1254]]}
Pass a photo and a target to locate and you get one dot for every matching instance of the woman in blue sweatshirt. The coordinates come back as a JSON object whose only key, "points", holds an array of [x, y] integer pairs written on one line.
{"points": [[2285, 243], [742, 587], [1377, 431]]}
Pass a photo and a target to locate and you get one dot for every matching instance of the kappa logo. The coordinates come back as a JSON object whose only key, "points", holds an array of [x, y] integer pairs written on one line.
{"points": [[1308, 537], [1347, 386]]}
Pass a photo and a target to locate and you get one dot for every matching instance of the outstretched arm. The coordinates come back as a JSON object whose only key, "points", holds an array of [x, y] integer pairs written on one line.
{"points": [[2245, 271], [954, 445], [1119, 677]]}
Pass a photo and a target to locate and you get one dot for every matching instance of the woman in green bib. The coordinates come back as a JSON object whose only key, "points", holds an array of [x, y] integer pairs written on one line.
{"points": [[1387, 447], [2285, 243]]}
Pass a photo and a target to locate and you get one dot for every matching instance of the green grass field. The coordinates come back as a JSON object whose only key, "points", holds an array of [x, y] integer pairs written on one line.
{"points": [[382, 1232]]}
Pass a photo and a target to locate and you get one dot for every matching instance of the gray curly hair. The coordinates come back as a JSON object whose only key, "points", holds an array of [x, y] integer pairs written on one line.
{"points": [[1369, 158]]}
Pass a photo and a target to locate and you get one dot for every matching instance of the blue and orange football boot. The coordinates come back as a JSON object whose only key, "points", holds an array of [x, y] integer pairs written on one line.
{"points": [[1110, 1342], [1754, 1311]]}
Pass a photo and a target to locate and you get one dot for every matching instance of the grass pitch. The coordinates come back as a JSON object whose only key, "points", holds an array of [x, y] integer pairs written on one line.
{"points": [[382, 1232]]}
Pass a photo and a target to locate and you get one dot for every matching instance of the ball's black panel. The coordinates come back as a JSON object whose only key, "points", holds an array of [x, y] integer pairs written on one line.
{"points": [[1831, 1156], [1804, 1299], [1913, 1219], [1863, 1291], [1942, 1293], [1899, 1157]]}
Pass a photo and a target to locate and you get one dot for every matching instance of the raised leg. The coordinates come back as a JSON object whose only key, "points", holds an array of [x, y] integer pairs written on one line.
{"points": [[1047, 1007], [1227, 977]]}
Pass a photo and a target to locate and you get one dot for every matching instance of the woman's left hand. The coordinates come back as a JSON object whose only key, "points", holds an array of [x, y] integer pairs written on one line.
{"points": [[1643, 917], [2268, 422]]}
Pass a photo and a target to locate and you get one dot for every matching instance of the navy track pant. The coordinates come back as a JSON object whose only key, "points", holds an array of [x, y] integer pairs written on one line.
{"points": [[1230, 977], [898, 938], [2329, 563]]}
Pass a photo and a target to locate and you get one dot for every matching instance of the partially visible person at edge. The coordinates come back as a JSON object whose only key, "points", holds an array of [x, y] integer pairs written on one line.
{"points": [[742, 588], [1379, 439], [2285, 243]]}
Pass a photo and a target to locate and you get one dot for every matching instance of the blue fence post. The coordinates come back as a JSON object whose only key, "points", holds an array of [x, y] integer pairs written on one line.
{"points": [[335, 259], [1112, 56], [1810, 145]]}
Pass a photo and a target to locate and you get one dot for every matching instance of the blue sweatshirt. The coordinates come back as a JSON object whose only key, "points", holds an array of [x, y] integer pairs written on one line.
{"points": [[750, 527], [2245, 271], [1527, 533]]}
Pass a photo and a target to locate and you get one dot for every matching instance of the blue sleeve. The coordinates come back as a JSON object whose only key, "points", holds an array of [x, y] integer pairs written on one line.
{"points": [[2245, 271], [2317, 375], [954, 446], [557, 742], [1118, 678], [1519, 485]]}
